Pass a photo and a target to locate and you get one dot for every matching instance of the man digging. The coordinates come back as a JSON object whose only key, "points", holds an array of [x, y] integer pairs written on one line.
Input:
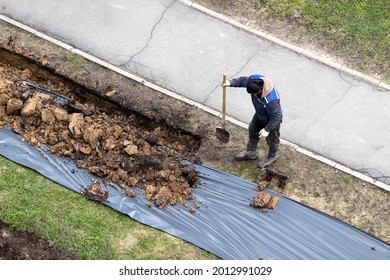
{"points": [[266, 120]]}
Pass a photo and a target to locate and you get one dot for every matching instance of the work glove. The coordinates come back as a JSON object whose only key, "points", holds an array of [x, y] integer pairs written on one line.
{"points": [[227, 84], [264, 133]]}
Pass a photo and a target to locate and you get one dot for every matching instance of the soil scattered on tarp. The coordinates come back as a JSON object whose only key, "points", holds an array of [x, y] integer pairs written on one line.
{"points": [[119, 147], [263, 200], [95, 191]]}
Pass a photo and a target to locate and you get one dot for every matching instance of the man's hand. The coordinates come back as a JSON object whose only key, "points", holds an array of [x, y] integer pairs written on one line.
{"points": [[264, 133], [227, 84]]}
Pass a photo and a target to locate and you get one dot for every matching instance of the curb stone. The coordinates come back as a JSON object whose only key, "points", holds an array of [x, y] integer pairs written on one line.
{"points": [[299, 50]]}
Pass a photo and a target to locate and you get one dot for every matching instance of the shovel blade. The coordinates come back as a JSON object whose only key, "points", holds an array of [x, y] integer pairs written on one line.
{"points": [[222, 135]]}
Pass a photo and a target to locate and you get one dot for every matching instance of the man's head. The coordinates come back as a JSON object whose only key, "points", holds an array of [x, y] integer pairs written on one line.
{"points": [[255, 86]]}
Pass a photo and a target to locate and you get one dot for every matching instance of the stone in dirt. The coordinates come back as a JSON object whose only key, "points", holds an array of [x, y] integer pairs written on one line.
{"points": [[14, 105], [76, 124], [111, 93], [4, 84], [3, 99], [131, 150], [34, 103]]}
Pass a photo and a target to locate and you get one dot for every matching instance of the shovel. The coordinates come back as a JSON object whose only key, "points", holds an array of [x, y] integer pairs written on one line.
{"points": [[222, 134], [62, 99]]}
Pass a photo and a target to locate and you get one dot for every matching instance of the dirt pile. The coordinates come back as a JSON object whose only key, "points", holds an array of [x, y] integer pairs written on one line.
{"points": [[263, 200], [121, 148]]}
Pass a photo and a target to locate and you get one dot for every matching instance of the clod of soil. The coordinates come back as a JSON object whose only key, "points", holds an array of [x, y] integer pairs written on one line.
{"points": [[122, 148], [265, 201], [275, 179], [95, 192]]}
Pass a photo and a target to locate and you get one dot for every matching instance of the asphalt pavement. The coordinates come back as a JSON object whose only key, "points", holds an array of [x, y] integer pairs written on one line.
{"points": [[329, 110]]}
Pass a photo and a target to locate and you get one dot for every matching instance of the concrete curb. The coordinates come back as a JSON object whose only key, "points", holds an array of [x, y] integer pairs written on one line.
{"points": [[188, 101], [299, 50]]}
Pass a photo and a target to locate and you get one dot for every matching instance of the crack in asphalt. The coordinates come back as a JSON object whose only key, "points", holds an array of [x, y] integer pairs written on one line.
{"points": [[125, 64], [239, 71], [370, 172], [319, 116]]}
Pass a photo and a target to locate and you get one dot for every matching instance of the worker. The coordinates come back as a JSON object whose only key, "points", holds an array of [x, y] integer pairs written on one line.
{"points": [[266, 120]]}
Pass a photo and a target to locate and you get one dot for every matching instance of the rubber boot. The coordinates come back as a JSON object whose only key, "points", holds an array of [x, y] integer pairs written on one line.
{"points": [[270, 159], [246, 155], [250, 153]]}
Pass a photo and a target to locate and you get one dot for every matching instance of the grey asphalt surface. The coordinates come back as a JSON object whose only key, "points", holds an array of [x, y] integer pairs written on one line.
{"points": [[328, 111]]}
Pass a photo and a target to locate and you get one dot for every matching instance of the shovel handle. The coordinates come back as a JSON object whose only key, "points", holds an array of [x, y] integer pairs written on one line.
{"points": [[223, 101]]}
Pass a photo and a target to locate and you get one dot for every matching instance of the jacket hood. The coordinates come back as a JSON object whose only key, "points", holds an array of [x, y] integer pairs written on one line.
{"points": [[267, 87], [257, 85]]}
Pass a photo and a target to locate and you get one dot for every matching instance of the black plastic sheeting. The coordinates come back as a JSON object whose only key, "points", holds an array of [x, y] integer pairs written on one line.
{"points": [[224, 224]]}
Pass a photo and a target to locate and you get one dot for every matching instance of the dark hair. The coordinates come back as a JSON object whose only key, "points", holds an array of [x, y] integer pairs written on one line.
{"points": [[254, 85]]}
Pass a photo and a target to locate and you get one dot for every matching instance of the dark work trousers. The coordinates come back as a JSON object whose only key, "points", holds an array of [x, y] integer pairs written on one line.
{"points": [[272, 139]]}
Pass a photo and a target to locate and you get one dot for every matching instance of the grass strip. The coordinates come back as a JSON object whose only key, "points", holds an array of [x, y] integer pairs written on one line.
{"points": [[84, 228], [358, 29]]}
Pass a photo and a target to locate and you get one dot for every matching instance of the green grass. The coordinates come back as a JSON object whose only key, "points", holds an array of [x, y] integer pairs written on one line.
{"points": [[247, 170], [358, 29], [87, 229], [281, 8], [76, 62]]}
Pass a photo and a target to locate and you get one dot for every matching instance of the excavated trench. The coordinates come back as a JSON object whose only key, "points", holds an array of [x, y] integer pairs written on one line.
{"points": [[143, 147], [118, 145], [123, 147]]}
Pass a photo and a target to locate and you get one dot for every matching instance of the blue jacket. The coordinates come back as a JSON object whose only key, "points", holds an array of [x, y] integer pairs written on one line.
{"points": [[268, 108]]}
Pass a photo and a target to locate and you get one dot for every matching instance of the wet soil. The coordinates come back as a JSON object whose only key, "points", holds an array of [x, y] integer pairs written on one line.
{"points": [[17, 245], [121, 147]]}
